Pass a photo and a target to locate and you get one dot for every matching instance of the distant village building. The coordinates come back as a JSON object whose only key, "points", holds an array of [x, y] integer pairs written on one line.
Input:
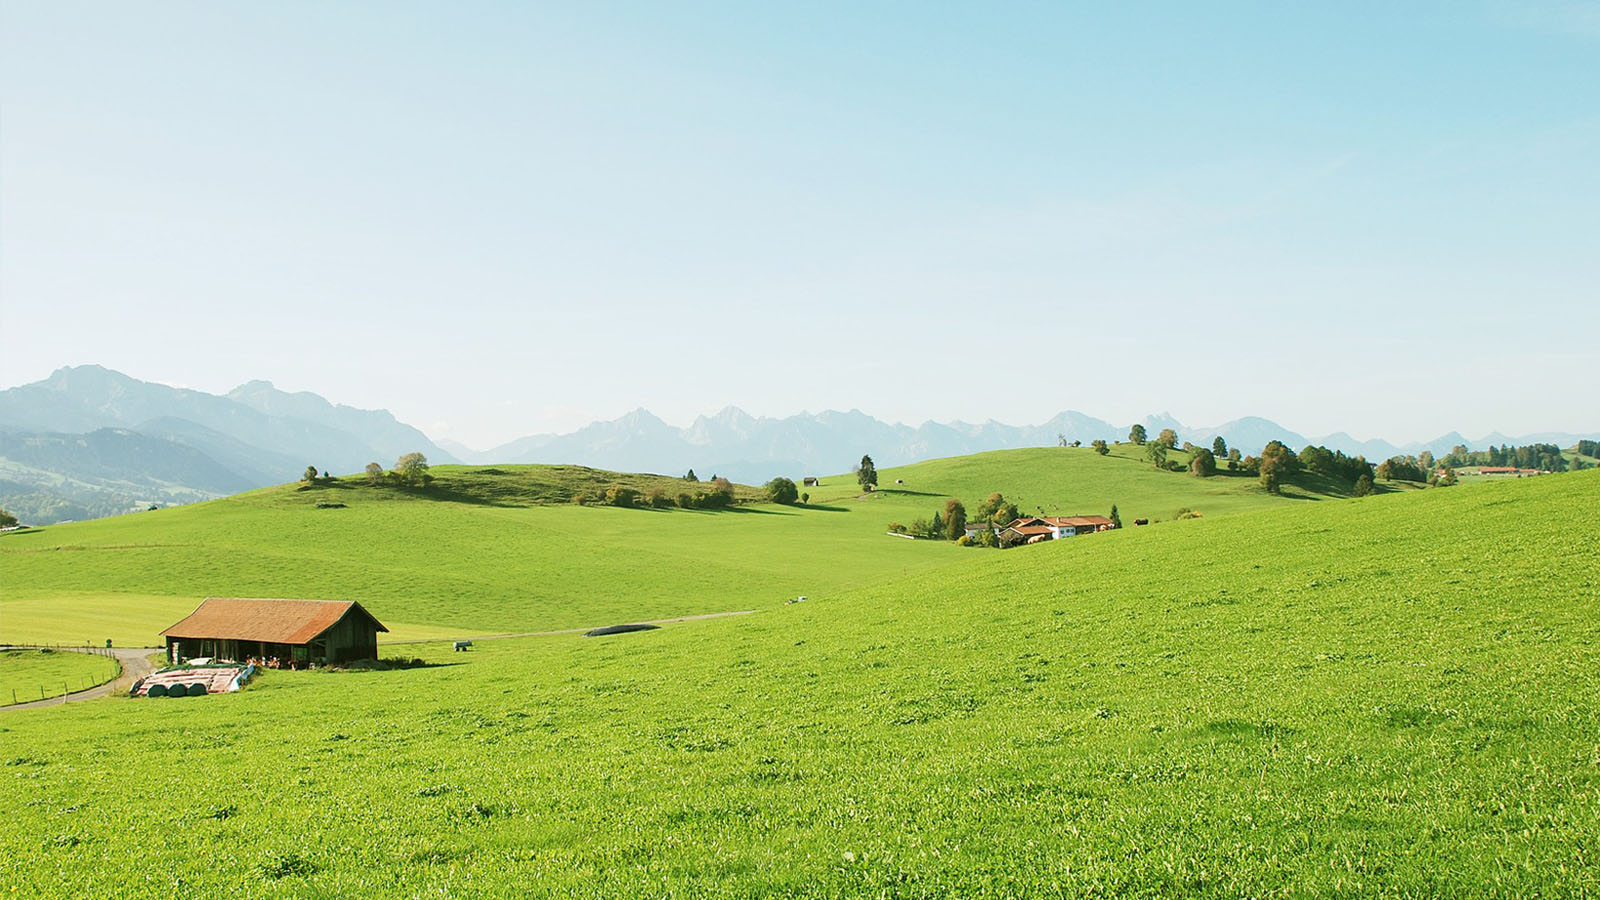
{"points": [[811, 481], [1036, 529], [288, 632]]}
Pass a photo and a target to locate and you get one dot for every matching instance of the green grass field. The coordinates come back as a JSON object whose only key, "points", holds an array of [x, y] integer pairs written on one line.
{"points": [[1392, 696], [27, 674], [506, 552]]}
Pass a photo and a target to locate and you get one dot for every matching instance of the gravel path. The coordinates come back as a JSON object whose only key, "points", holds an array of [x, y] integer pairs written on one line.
{"points": [[135, 665]]}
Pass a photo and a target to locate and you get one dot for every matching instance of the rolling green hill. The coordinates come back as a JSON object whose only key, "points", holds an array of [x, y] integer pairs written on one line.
{"points": [[489, 550], [1393, 696]]}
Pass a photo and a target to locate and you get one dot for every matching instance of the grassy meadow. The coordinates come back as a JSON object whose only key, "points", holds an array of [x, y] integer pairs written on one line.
{"points": [[502, 549], [1392, 696], [29, 674]]}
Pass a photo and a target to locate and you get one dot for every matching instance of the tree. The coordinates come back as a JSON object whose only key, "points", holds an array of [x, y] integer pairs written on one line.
{"points": [[1156, 452], [721, 495], [1219, 448], [936, 527], [7, 520], [867, 474], [1363, 486], [1100, 447], [310, 474], [1137, 434], [690, 476], [1276, 464], [782, 490], [413, 468], [1061, 439], [1425, 462], [1168, 438], [374, 473], [1203, 464], [1116, 520], [955, 520], [805, 498], [618, 495]]}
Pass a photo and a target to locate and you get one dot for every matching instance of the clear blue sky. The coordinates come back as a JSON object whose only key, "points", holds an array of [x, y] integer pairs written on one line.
{"points": [[496, 219]]}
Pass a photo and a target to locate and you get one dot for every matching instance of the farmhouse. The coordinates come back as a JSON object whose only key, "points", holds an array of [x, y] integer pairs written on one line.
{"points": [[291, 632], [1034, 529]]}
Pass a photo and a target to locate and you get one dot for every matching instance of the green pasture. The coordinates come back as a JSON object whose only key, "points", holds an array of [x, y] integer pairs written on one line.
{"points": [[501, 549], [1393, 696], [30, 674]]}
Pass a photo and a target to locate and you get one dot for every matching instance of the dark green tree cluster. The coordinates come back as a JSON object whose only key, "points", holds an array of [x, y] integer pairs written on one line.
{"points": [[7, 520], [1402, 468], [1100, 447], [1202, 464], [1589, 448], [1137, 434], [1334, 464], [1545, 457]]}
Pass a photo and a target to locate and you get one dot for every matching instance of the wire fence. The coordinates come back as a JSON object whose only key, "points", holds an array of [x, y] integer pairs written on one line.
{"points": [[22, 688]]}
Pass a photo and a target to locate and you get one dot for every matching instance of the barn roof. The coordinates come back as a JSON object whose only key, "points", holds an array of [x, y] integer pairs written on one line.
{"points": [[271, 621]]}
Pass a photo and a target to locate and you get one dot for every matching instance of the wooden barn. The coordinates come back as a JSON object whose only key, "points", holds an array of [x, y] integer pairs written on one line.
{"points": [[288, 632]]}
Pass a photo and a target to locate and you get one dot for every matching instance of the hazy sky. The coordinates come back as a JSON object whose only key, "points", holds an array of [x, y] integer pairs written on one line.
{"points": [[496, 219]]}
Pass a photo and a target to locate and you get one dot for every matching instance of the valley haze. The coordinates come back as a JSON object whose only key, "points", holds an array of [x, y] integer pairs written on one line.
{"points": [[89, 441]]}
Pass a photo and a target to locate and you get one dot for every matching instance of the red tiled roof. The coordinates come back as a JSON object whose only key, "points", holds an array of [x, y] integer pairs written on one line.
{"points": [[271, 621]]}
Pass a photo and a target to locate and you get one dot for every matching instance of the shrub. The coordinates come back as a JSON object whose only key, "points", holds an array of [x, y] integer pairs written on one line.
{"points": [[1203, 464], [1363, 486], [374, 473], [897, 528], [658, 499], [686, 500], [782, 490], [617, 495]]}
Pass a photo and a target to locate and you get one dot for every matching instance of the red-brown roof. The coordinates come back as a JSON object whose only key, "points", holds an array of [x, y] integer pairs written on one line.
{"points": [[271, 621]]}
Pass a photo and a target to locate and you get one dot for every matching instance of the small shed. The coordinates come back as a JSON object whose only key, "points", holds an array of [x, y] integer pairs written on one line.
{"points": [[811, 481], [286, 631]]}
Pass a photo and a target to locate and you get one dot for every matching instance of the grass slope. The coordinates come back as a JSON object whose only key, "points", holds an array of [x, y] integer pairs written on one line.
{"points": [[1388, 697], [500, 549]]}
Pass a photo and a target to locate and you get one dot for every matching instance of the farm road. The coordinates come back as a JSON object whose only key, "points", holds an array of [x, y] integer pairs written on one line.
{"points": [[135, 665], [521, 634]]}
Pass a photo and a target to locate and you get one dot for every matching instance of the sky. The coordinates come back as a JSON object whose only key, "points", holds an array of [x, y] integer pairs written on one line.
{"points": [[501, 219]]}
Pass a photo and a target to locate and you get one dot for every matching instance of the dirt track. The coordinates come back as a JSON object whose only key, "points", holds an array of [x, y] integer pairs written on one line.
{"points": [[135, 665]]}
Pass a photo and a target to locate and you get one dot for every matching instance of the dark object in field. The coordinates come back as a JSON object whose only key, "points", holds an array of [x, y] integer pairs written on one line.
{"points": [[1141, 521], [197, 690], [326, 505], [157, 690], [618, 629], [462, 645]]}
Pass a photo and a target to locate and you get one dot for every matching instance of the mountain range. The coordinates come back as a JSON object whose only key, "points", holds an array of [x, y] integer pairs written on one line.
{"points": [[89, 441]]}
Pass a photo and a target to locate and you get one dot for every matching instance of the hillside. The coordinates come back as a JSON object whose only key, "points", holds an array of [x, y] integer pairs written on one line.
{"points": [[1374, 698], [502, 549]]}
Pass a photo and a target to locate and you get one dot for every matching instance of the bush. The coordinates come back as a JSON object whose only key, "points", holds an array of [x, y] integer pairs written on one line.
{"points": [[1204, 463], [965, 541], [658, 499], [617, 495], [782, 490], [1363, 486], [686, 500], [897, 528]]}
